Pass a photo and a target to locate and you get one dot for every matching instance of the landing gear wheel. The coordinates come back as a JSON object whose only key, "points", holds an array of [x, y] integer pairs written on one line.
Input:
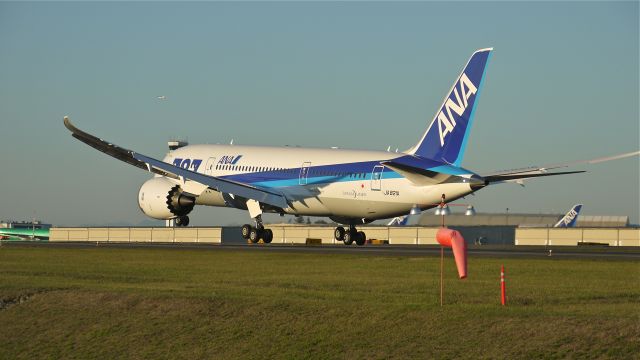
{"points": [[338, 234], [361, 238], [267, 236], [182, 221], [349, 237], [246, 229], [255, 235]]}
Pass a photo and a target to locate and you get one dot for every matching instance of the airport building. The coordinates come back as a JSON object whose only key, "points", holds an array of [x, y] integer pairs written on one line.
{"points": [[36, 224]]}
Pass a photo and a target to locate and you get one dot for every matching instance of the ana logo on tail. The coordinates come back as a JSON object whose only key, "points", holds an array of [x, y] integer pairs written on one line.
{"points": [[446, 137], [446, 124], [399, 221], [570, 219]]}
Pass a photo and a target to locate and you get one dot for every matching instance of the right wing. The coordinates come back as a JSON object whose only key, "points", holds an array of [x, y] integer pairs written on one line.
{"points": [[268, 196]]}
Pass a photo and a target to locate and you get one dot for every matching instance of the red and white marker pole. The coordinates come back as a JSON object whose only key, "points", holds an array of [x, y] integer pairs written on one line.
{"points": [[503, 290]]}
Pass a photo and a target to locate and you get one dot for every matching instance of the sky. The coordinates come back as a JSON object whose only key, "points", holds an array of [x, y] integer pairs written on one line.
{"points": [[562, 85]]}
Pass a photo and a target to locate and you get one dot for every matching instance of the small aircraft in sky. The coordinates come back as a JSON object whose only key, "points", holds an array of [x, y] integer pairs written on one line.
{"points": [[351, 187]]}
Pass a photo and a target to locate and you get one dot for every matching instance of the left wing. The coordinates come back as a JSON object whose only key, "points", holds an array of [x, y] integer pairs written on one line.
{"points": [[111, 149], [268, 196]]}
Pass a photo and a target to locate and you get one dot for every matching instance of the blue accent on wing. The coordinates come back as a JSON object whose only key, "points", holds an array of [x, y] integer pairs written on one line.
{"points": [[447, 135]]}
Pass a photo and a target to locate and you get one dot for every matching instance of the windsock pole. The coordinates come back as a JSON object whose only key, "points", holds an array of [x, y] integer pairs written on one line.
{"points": [[503, 290], [454, 240], [441, 275], [442, 258]]}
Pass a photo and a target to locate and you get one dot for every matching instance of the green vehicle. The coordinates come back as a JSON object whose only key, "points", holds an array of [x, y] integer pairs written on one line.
{"points": [[24, 234]]}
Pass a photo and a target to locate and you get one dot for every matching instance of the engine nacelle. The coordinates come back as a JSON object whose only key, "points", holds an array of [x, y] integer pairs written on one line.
{"points": [[162, 199]]}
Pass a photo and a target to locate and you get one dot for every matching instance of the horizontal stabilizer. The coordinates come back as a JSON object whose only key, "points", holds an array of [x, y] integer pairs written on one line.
{"points": [[519, 176], [414, 169], [416, 175], [538, 171], [545, 168]]}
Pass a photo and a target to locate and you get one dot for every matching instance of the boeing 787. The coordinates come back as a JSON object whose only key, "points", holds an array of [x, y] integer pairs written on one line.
{"points": [[351, 187]]}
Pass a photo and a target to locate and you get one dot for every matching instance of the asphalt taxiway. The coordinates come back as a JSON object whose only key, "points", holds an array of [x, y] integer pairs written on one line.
{"points": [[609, 253]]}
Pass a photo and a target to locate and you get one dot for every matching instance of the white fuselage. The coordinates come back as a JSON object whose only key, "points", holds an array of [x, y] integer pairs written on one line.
{"points": [[318, 182]]}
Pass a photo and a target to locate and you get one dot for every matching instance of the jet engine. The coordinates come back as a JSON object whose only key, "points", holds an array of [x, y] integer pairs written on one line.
{"points": [[160, 198]]}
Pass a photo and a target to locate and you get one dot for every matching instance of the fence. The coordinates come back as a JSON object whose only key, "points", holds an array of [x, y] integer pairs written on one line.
{"points": [[395, 235], [178, 235], [576, 236]]}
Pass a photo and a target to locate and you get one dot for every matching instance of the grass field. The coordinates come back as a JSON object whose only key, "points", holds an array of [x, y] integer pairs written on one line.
{"points": [[171, 303]]}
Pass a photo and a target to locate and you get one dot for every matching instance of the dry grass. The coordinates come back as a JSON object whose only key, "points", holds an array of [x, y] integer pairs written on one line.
{"points": [[159, 303]]}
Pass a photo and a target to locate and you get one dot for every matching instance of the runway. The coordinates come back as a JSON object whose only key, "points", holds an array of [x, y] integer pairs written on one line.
{"points": [[608, 253]]}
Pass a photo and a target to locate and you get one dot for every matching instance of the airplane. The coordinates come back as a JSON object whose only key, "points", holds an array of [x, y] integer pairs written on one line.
{"points": [[24, 234], [570, 219], [399, 221], [351, 187]]}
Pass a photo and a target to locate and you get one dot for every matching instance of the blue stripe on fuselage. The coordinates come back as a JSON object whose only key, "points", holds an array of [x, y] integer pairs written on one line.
{"points": [[326, 174]]}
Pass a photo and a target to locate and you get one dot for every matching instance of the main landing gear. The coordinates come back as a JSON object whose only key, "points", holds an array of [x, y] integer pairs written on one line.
{"points": [[181, 221], [349, 236], [254, 234]]}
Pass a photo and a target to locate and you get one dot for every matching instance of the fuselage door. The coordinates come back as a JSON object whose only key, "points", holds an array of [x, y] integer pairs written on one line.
{"points": [[304, 173], [211, 163], [376, 177]]}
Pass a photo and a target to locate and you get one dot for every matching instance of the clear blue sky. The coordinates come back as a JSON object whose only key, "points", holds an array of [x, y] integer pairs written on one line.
{"points": [[562, 85]]}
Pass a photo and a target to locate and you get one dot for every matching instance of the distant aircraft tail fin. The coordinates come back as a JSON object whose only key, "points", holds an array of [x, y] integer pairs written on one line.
{"points": [[570, 219], [447, 135], [399, 221]]}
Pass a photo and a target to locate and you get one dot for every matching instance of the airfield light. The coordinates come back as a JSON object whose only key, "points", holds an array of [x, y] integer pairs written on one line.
{"points": [[443, 209], [470, 211]]}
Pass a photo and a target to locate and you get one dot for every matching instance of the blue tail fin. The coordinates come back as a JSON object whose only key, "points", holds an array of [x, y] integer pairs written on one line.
{"points": [[399, 221], [570, 219], [446, 137]]}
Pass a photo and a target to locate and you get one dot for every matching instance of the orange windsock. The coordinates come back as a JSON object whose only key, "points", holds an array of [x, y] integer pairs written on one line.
{"points": [[454, 240]]}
